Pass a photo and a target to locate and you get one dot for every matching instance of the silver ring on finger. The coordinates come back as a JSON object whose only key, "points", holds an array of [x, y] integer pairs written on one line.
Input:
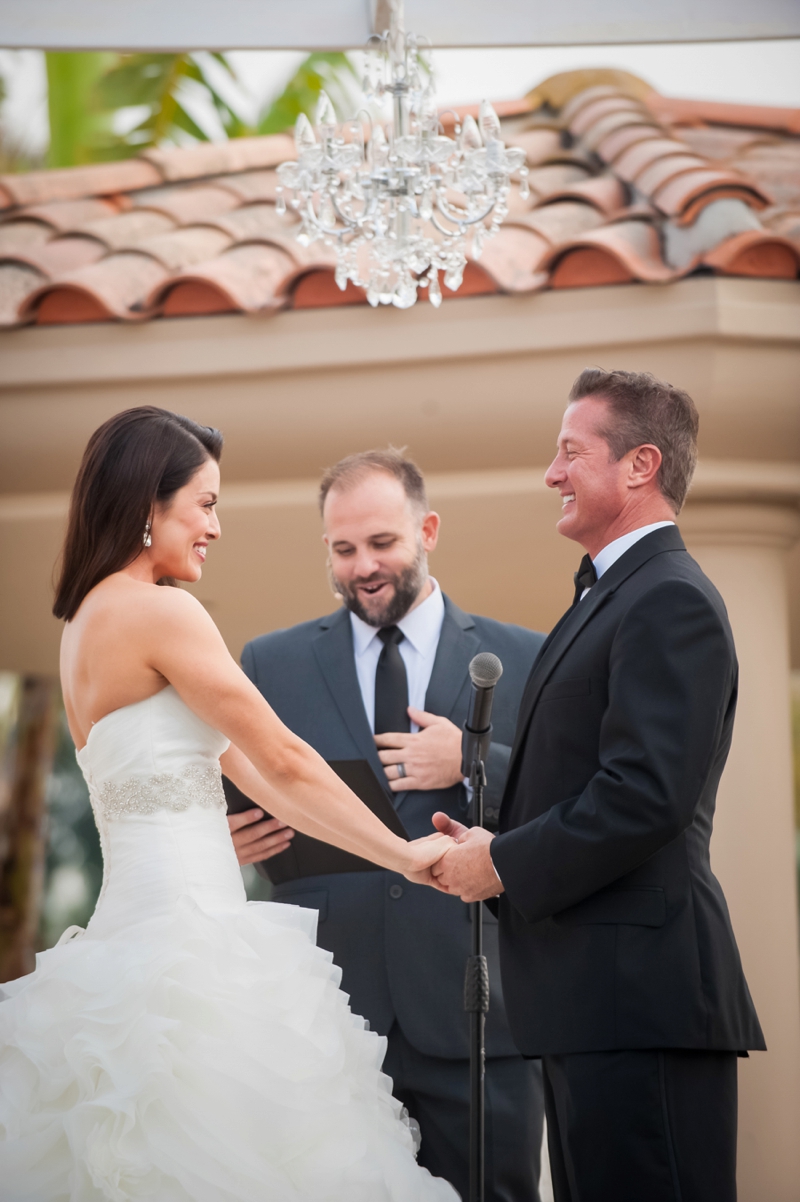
{"points": [[401, 771]]}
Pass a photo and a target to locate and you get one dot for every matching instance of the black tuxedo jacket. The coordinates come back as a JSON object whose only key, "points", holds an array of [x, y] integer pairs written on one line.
{"points": [[614, 932], [402, 948]]}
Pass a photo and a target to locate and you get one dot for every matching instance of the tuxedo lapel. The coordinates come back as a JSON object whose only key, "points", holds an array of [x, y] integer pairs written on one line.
{"points": [[576, 619], [333, 648]]}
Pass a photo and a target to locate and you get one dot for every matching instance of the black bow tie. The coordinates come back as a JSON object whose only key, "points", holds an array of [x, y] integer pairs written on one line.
{"points": [[585, 577]]}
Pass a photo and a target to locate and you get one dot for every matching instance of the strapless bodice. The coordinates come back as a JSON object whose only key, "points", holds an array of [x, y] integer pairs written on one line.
{"points": [[156, 789]]}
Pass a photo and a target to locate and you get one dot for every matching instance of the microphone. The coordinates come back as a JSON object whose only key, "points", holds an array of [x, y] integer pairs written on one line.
{"points": [[485, 670]]}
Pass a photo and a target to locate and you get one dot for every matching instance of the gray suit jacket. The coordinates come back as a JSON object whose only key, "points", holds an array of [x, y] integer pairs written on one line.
{"points": [[402, 947]]}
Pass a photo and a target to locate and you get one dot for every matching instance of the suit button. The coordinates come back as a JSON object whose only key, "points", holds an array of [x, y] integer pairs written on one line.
{"points": [[395, 891]]}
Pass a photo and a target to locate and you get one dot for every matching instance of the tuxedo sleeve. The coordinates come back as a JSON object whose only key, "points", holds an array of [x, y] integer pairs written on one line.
{"points": [[672, 676]]}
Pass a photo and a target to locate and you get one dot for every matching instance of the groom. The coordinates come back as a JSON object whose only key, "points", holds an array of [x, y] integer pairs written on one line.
{"points": [[620, 968]]}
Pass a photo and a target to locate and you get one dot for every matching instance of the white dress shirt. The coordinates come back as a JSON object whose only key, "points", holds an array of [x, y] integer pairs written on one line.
{"points": [[612, 551], [421, 627]]}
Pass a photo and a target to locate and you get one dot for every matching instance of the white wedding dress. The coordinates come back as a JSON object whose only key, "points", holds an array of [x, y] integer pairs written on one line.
{"points": [[190, 1046]]}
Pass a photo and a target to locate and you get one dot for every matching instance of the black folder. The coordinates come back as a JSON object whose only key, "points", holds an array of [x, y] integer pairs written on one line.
{"points": [[311, 857]]}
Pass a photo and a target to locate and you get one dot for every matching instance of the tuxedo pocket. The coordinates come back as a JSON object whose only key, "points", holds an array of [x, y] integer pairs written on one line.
{"points": [[643, 907], [556, 689]]}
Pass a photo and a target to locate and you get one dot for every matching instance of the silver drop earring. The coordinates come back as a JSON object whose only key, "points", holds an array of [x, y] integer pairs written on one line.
{"points": [[146, 539]]}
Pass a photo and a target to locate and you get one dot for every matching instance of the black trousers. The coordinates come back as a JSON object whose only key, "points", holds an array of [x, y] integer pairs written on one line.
{"points": [[654, 1126], [436, 1094]]}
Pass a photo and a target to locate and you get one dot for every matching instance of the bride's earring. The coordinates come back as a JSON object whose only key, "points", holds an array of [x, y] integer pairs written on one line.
{"points": [[146, 539]]}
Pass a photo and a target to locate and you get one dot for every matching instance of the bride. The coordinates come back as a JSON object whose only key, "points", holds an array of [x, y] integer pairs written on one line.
{"points": [[188, 1046]]}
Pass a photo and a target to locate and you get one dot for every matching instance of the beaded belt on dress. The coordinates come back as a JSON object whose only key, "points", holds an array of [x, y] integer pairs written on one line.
{"points": [[198, 785]]}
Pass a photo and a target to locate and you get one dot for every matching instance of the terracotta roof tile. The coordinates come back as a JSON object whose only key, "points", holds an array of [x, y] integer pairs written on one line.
{"points": [[104, 290], [220, 158], [512, 259], [719, 143], [59, 255], [590, 114], [549, 181], [17, 281], [251, 186], [604, 192], [186, 205], [66, 214], [586, 97], [126, 229], [656, 175], [70, 183], [679, 197], [561, 220], [623, 188], [248, 278], [636, 158], [540, 146], [611, 123], [14, 235], [178, 249], [756, 253], [627, 250], [616, 143]]}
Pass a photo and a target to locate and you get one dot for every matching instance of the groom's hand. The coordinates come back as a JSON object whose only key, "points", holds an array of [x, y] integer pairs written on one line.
{"points": [[467, 869], [256, 837]]}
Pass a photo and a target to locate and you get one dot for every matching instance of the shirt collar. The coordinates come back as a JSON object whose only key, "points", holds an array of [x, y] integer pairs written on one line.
{"points": [[421, 625], [612, 551]]}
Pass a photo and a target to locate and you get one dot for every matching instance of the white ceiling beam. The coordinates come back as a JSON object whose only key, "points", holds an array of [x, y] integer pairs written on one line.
{"points": [[171, 25]]}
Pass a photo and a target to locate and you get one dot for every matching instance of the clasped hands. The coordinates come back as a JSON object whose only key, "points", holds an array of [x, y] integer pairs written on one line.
{"points": [[465, 868]]}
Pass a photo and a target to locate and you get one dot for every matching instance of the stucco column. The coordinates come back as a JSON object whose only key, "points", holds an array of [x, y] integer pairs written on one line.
{"points": [[741, 543]]}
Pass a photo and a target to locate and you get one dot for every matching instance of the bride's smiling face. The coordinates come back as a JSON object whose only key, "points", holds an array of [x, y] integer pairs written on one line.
{"points": [[184, 526]]}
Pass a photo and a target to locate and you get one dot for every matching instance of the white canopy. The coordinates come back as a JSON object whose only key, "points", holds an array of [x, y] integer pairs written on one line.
{"points": [[165, 25]]}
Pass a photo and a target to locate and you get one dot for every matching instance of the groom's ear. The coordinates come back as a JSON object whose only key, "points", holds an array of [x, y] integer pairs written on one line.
{"points": [[644, 465]]}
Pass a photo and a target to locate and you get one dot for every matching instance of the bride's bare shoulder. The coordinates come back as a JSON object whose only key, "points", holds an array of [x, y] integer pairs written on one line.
{"points": [[121, 598]]}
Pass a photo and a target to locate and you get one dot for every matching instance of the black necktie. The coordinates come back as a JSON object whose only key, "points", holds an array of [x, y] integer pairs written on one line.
{"points": [[391, 684], [585, 577]]}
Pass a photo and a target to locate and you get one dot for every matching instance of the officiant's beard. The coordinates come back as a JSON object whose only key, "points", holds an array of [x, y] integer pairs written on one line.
{"points": [[407, 586]]}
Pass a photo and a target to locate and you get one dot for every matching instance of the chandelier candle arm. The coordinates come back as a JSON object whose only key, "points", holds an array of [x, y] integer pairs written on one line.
{"points": [[385, 202]]}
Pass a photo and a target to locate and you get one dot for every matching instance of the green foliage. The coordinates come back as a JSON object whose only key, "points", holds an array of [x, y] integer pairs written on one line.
{"points": [[111, 106], [157, 83], [332, 72], [76, 121]]}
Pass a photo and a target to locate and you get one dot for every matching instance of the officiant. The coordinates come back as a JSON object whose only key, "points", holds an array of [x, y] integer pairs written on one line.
{"points": [[384, 682]]}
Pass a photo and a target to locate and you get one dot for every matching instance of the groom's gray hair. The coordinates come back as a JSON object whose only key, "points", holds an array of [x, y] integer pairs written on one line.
{"points": [[647, 410]]}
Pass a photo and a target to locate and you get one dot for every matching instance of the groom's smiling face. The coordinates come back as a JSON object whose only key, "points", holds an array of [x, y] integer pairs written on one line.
{"points": [[593, 486]]}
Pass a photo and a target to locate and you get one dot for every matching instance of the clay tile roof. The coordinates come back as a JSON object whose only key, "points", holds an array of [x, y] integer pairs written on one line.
{"points": [[625, 186], [109, 288]]}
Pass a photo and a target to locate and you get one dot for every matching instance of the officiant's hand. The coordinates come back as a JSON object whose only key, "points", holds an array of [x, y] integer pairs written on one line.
{"points": [[431, 757], [256, 837], [467, 869]]}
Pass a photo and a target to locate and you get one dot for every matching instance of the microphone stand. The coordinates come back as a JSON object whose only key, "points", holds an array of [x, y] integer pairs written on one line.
{"points": [[476, 994]]}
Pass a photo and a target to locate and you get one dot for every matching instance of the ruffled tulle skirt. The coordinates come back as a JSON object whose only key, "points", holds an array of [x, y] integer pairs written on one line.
{"points": [[198, 1058]]}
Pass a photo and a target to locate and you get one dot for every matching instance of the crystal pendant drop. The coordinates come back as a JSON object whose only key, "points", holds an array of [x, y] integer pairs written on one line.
{"points": [[280, 202], [434, 291], [340, 275], [524, 186]]}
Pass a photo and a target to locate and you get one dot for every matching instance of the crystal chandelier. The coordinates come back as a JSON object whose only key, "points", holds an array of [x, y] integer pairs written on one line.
{"points": [[403, 202]]}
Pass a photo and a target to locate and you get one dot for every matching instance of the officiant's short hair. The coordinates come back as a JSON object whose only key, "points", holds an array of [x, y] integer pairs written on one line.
{"points": [[647, 410], [393, 462]]}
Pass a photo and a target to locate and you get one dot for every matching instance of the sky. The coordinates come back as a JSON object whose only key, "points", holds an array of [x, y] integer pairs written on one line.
{"points": [[746, 72]]}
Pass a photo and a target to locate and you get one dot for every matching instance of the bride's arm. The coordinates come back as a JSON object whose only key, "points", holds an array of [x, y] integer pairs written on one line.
{"points": [[182, 643]]}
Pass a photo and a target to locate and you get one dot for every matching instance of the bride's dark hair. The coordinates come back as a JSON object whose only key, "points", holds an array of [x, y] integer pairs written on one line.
{"points": [[134, 459]]}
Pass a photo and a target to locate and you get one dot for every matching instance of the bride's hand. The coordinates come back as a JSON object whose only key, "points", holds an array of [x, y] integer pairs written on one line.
{"points": [[423, 854]]}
